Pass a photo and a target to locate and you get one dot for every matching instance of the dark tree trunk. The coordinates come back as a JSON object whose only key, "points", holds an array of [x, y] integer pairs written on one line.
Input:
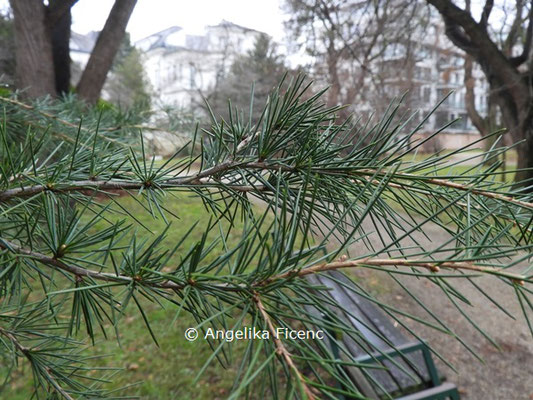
{"points": [[484, 125], [95, 73], [61, 51], [510, 88], [34, 71], [524, 151], [42, 36]]}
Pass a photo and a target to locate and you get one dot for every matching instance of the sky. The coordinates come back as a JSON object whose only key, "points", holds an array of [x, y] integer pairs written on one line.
{"points": [[151, 16]]}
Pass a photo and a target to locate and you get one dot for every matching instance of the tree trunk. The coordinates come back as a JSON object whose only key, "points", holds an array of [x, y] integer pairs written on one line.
{"points": [[95, 73], [484, 125], [524, 151], [511, 92], [35, 71], [335, 87], [518, 120], [61, 51], [470, 100]]}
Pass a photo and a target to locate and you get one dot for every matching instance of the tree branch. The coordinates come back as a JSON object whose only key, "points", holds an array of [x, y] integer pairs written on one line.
{"points": [[470, 98], [516, 61], [202, 179], [25, 352], [342, 263], [468, 35], [487, 9], [57, 264], [93, 78], [14, 340], [56, 9], [281, 350], [510, 40], [454, 185], [433, 266]]}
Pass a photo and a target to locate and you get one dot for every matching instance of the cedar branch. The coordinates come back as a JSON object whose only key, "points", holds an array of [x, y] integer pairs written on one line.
{"points": [[281, 350], [433, 266]]}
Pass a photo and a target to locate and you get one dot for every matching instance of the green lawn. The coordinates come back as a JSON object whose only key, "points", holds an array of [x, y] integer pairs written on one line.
{"points": [[470, 166], [168, 371]]}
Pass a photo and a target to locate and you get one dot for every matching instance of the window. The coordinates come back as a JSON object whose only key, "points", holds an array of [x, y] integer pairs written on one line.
{"points": [[423, 73], [426, 95], [441, 118], [192, 76], [462, 123]]}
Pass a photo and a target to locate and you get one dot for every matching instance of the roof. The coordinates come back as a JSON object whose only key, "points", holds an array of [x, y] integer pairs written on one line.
{"points": [[228, 24], [83, 43], [176, 38], [158, 39]]}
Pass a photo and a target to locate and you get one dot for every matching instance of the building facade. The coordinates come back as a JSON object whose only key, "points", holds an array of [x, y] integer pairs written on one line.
{"points": [[182, 68], [428, 70]]}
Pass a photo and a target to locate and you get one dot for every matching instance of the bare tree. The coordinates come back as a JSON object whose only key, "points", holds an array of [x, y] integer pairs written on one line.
{"points": [[42, 34], [504, 54], [348, 37], [262, 66]]}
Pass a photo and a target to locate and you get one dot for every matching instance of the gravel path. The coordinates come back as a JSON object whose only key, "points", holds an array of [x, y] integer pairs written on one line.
{"points": [[506, 374]]}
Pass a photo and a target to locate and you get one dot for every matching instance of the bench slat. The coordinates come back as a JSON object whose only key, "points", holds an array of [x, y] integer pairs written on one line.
{"points": [[415, 363], [377, 329]]}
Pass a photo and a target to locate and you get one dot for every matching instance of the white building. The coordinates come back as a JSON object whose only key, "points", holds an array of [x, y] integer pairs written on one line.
{"points": [[81, 46], [182, 67], [436, 70]]}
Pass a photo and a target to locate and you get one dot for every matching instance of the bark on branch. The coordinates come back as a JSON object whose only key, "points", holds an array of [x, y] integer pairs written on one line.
{"points": [[487, 9], [203, 179], [522, 58], [281, 350], [57, 9], [343, 263], [470, 98]]}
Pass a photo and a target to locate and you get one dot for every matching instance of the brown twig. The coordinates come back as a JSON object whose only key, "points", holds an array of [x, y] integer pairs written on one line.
{"points": [[434, 266], [263, 165], [14, 340], [57, 386], [376, 262], [57, 264], [196, 180], [103, 185], [281, 350]]}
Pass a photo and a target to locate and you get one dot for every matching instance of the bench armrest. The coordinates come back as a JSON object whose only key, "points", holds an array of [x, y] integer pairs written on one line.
{"points": [[442, 392], [406, 349]]}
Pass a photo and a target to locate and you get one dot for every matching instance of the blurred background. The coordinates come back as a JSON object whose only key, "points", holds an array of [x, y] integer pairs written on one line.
{"points": [[177, 54]]}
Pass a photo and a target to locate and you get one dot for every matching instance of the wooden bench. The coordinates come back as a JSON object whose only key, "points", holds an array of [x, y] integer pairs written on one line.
{"points": [[409, 372]]}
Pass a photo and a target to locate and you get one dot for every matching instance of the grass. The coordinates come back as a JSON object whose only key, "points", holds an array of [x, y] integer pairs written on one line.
{"points": [[468, 163], [168, 371]]}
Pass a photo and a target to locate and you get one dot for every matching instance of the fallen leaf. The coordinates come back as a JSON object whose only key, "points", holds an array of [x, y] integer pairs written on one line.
{"points": [[133, 367]]}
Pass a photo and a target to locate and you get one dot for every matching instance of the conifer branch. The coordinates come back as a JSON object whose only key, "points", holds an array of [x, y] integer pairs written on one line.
{"points": [[281, 350], [342, 263], [322, 187]]}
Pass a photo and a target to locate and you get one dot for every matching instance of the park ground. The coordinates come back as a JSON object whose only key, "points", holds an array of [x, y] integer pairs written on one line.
{"points": [[171, 370]]}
